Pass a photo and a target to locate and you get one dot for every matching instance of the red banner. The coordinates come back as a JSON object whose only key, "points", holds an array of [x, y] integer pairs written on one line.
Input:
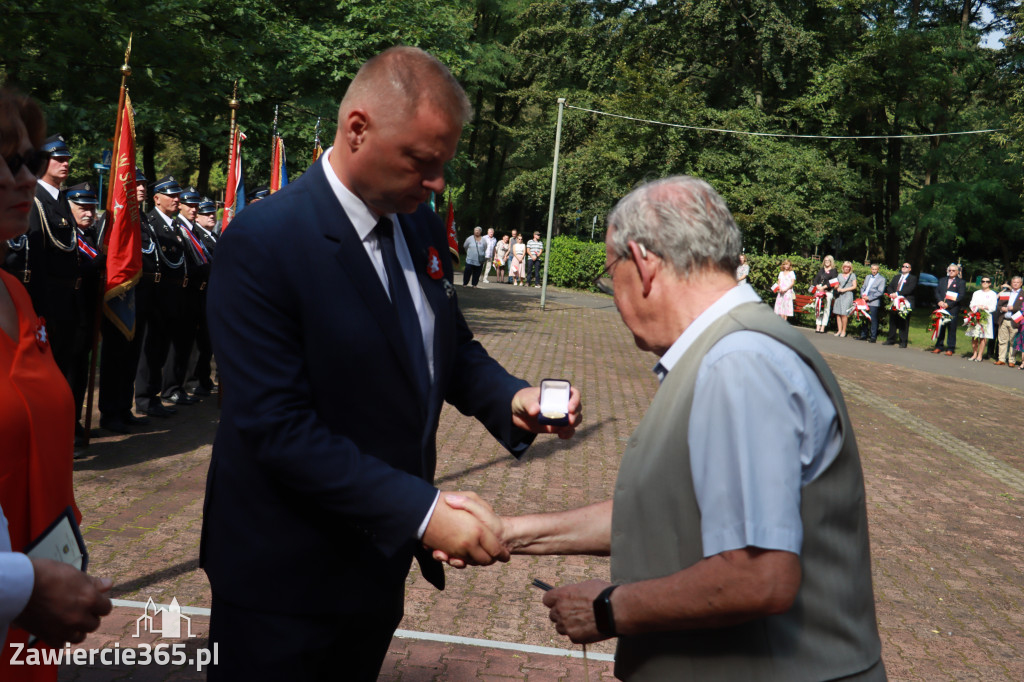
{"points": [[122, 240], [234, 199], [453, 236]]}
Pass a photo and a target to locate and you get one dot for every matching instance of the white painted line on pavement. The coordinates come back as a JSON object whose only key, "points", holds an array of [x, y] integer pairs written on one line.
{"points": [[511, 646], [187, 610], [410, 634]]}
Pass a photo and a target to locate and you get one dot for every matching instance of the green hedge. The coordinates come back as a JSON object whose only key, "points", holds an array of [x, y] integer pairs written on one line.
{"points": [[574, 263]]}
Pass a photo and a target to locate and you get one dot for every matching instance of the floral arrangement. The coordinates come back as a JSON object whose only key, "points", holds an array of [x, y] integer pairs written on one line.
{"points": [[974, 318], [817, 304], [939, 318], [899, 305], [861, 312]]}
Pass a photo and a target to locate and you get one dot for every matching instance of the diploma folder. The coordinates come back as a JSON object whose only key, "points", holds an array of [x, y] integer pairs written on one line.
{"points": [[61, 541]]}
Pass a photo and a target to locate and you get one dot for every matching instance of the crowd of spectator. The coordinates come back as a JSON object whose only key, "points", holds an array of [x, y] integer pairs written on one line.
{"points": [[514, 261], [993, 318]]}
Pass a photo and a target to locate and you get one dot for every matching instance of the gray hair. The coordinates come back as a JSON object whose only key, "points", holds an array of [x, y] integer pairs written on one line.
{"points": [[683, 220], [478, 230]]}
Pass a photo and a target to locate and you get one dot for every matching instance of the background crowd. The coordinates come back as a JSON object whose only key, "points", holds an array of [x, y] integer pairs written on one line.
{"points": [[513, 261], [991, 317]]}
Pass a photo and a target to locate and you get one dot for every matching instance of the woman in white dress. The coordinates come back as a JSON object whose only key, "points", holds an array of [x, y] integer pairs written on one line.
{"points": [[743, 270], [784, 298], [517, 269], [983, 299]]}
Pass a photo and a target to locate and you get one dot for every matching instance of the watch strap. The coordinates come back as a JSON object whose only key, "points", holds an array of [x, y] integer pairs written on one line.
{"points": [[604, 618]]}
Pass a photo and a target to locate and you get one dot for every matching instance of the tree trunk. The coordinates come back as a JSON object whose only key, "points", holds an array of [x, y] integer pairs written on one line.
{"points": [[205, 164], [148, 153], [893, 179]]}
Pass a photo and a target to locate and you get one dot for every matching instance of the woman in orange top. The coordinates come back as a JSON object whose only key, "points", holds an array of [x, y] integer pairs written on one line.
{"points": [[36, 427]]}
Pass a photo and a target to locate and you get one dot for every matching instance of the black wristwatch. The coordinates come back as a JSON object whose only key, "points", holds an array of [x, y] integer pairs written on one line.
{"points": [[603, 616]]}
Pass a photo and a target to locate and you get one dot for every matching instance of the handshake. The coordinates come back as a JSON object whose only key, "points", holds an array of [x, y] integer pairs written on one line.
{"points": [[465, 531]]}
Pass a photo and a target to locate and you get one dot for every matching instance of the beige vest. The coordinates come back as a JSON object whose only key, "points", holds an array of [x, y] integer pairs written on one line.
{"points": [[830, 631]]}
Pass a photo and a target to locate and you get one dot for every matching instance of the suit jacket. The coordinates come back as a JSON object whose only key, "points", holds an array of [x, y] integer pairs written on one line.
{"points": [[907, 290], [959, 286], [872, 289], [324, 458], [1000, 317]]}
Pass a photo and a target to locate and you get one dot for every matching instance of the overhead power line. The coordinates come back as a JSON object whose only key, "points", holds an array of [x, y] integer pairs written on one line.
{"points": [[792, 135]]}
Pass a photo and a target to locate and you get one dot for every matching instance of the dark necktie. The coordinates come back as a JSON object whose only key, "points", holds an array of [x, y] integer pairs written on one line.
{"points": [[401, 300]]}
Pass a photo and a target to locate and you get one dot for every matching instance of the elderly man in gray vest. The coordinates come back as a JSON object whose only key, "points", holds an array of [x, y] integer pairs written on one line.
{"points": [[738, 530]]}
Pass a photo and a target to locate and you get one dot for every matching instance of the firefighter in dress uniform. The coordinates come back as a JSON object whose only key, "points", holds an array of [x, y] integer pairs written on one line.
{"points": [[165, 275], [183, 336]]}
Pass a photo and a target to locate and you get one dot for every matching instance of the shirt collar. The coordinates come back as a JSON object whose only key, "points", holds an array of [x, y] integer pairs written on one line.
{"points": [[359, 214], [738, 295], [50, 189], [167, 219]]}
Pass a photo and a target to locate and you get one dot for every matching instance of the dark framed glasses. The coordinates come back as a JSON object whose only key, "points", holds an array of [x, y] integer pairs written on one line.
{"points": [[34, 159], [603, 282]]}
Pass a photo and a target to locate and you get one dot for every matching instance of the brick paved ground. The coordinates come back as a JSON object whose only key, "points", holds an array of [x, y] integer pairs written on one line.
{"points": [[944, 485]]}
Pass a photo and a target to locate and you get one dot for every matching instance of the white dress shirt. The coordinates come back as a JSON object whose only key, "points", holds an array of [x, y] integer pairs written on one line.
{"points": [[364, 221]]}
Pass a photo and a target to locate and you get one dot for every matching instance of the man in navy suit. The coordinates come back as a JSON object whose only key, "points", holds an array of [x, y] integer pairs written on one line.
{"points": [[949, 296], [339, 337], [904, 284]]}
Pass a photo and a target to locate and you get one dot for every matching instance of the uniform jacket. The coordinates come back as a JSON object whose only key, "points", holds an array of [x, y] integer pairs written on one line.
{"points": [[168, 256]]}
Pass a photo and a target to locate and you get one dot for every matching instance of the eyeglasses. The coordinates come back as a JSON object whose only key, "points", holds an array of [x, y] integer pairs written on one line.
{"points": [[986, 281], [604, 282], [34, 159], [906, 265]]}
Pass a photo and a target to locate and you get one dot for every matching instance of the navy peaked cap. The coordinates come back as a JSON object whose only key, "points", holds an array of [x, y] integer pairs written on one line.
{"points": [[166, 185], [57, 147], [83, 193]]}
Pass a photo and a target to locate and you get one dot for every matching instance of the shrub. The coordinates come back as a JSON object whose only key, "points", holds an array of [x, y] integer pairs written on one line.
{"points": [[574, 263]]}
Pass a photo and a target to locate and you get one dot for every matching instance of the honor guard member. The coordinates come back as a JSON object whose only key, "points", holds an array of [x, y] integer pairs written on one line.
{"points": [[45, 259], [119, 356], [261, 192], [83, 203], [206, 221], [166, 254], [183, 336]]}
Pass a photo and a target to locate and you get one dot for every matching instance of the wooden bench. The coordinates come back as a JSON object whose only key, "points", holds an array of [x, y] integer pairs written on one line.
{"points": [[799, 303]]}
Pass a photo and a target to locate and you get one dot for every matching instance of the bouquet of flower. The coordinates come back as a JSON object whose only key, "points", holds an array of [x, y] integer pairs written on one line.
{"points": [[861, 311], [939, 318], [899, 305], [974, 318], [817, 303]]}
